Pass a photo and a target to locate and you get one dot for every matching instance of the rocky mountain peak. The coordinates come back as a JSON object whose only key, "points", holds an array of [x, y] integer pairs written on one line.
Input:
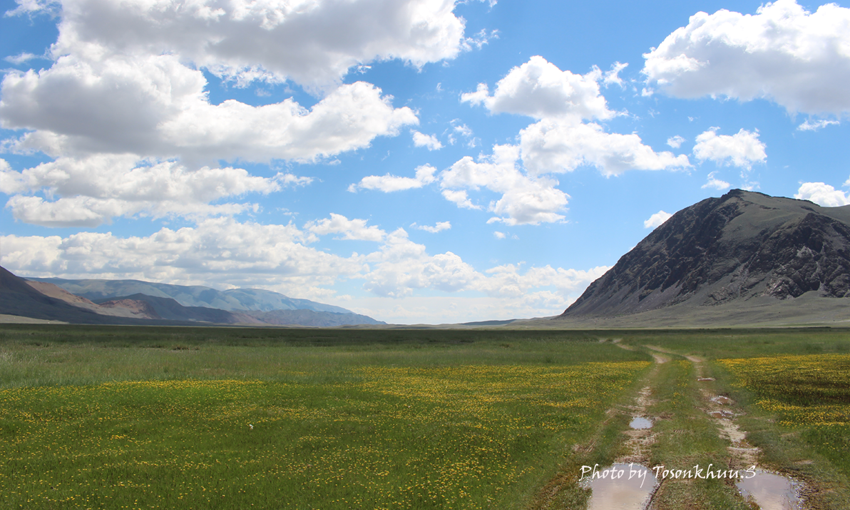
{"points": [[742, 245]]}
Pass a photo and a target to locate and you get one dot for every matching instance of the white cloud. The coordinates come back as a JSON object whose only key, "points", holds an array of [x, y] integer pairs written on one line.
{"points": [[506, 280], [562, 146], [389, 183], [656, 219], [96, 189], [354, 229], [20, 58], [822, 194], [429, 141], [31, 7], [459, 198], [402, 266], [439, 227], [741, 149], [675, 141], [156, 106], [313, 42], [715, 183], [817, 125], [539, 89], [798, 59], [217, 251], [525, 200], [461, 129], [224, 252], [499, 235], [612, 77], [560, 141]]}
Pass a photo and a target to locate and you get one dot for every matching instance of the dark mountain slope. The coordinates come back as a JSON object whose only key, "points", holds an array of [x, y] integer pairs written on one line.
{"points": [[170, 309], [312, 318], [740, 247], [17, 297]]}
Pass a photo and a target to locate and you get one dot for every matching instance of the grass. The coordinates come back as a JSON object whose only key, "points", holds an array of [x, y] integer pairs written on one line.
{"points": [[113, 417], [160, 418]]}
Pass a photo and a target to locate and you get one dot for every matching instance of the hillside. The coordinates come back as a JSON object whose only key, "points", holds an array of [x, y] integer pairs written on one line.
{"points": [[729, 256], [190, 295]]}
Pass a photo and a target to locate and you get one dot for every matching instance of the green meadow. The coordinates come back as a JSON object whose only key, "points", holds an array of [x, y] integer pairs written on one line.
{"points": [[119, 417]]}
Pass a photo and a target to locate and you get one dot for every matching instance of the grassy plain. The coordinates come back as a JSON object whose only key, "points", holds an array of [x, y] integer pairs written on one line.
{"points": [[239, 418], [112, 417]]}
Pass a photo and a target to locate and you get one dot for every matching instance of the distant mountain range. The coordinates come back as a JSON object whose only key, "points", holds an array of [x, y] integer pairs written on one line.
{"points": [[231, 300], [743, 258], [138, 302]]}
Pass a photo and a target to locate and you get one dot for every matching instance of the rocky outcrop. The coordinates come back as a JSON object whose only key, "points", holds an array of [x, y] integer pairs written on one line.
{"points": [[740, 246]]}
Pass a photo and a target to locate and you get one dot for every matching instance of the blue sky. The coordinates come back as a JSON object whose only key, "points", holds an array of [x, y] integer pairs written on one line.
{"points": [[417, 161]]}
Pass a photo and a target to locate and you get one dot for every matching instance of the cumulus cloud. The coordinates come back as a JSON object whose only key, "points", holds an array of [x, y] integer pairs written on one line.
{"points": [[741, 149], [822, 194], [312, 42], [656, 219], [225, 252], [799, 59], [539, 89], [459, 198], [675, 141], [156, 106], [524, 200], [389, 183], [715, 183], [353, 230], [429, 141], [506, 280], [561, 140], [215, 251], [402, 266], [562, 146], [439, 227], [93, 190]]}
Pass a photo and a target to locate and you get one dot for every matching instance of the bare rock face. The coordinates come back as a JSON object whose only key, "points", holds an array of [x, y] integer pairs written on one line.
{"points": [[740, 246]]}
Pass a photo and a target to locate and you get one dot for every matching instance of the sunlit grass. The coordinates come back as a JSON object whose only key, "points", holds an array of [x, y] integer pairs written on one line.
{"points": [[457, 426], [808, 393]]}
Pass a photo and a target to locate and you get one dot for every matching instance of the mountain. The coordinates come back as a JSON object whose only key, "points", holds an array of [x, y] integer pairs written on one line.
{"points": [[230, 300], [312, 318], [724, 256], [42, 299], [170, 309], [18, 297]]}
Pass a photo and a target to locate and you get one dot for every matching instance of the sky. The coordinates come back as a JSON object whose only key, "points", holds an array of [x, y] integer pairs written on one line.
{"points": [[416, 161]]}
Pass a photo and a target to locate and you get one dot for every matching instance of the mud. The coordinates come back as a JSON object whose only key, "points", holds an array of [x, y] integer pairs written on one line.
{"points": [[632, 491], [771, 491]]}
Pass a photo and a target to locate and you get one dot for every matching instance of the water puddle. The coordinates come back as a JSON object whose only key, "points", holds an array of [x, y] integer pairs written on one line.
{"points": [[620, 487], [771, 491], [639, 423]]}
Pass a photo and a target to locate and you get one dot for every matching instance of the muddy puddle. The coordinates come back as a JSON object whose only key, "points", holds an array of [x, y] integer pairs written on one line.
{"points": [[620, 487], [640, 423], [771, 491]]}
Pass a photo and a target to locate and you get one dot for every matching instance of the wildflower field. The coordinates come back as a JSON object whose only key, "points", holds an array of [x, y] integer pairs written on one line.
{"points": [[809, 394], [111, 418]]}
